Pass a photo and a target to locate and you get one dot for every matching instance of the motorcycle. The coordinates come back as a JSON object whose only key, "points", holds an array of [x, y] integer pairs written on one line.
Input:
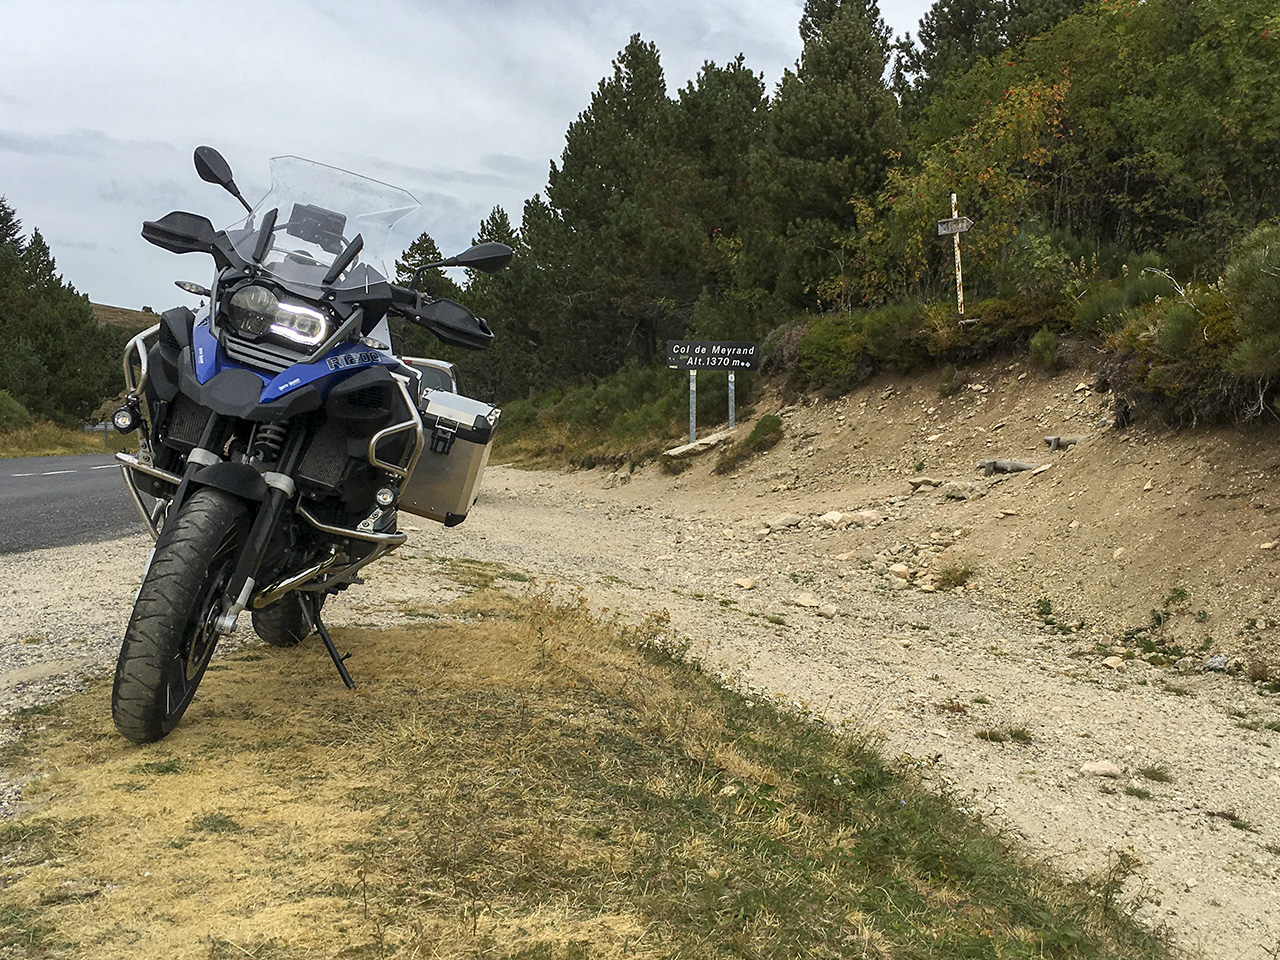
{"points": [[279, 434]]}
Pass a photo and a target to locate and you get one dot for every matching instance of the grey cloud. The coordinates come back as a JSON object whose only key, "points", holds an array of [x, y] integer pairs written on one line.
{"points": [[152, 194], [60, 243], [520, 168], [76, 143], [399, 172]]}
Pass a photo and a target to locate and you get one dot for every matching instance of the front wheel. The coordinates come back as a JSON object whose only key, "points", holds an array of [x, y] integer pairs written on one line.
{"points": [[172, 633]]}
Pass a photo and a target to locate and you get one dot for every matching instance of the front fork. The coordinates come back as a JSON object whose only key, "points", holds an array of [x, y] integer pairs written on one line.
{"points": [[279, 490]]}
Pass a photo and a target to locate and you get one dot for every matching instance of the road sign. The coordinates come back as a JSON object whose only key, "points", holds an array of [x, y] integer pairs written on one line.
{"points": [[695, 355], [713, 355], [954, 225]]}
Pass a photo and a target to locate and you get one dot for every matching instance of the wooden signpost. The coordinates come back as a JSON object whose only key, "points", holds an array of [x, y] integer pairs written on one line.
{"points": [[953, 228], [695, 355]]}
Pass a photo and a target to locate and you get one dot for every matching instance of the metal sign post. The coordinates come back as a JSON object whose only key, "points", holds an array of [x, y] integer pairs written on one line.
{"points": [[695, 355], [693, 405], [954, 227]]}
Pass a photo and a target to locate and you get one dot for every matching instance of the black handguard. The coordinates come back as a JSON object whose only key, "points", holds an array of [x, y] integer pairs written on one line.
{"points": [[453, 323]]}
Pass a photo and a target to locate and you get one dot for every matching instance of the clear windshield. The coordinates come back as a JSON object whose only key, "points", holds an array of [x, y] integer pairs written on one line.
{"points": [[320, 210]]}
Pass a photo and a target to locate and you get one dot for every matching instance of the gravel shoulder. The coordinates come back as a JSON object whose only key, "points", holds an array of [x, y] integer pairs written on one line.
{"points": [[924, 672]]}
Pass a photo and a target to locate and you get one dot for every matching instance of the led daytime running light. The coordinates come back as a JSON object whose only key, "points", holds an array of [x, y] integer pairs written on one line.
{"points": [[302, 324]]}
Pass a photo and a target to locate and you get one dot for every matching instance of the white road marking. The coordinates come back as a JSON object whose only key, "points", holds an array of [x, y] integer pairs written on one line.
{"points": [[54, 473]]}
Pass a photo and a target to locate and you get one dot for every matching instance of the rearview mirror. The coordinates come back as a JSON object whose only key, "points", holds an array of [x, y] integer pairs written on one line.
{"points": [[487, 257], [213, 168]]}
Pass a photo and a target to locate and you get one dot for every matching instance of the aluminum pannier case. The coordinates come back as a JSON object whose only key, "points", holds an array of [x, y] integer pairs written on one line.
{"points": [[459, 435]]}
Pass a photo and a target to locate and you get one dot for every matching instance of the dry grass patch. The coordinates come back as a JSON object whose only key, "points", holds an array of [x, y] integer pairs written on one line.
{"points": [[533, 784], [44, 439]]}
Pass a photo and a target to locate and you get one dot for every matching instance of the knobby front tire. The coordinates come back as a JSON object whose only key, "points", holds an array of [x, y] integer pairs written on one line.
{"points": [[171, 635]]}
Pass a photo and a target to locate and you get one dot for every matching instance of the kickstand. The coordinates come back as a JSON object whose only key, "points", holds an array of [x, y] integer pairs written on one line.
{"points": [[313, 610]]}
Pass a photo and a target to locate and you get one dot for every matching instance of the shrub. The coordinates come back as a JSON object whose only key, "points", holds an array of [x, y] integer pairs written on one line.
{"points": [[763, 436], [895, 335], [13, 415], [1252, 282], [950, 382], [1175, 361], [1178, 330], [1044, 350], [954, 574], [1106, 308], [832, 356]]}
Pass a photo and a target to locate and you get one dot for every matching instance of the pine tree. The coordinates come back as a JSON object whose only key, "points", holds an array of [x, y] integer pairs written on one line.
{"points": [[830, 128], [432, 283], [10, 225], [955, 34], [497, 228], [55, 359], [818, 13], [624, 240]]}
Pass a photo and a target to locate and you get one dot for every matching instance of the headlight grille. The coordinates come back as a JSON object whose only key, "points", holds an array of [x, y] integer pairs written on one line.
{"points": [[262, 355]]}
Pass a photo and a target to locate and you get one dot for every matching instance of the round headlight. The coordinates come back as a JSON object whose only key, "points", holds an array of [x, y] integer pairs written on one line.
{"points": [[252, 310]]}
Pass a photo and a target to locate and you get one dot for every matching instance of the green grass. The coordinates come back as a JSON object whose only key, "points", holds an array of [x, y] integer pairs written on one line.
{"points": [[159, 768], [733, 828], [1001, 734], [215, 822], [24, 929], [43, 439], [1233, 820]]}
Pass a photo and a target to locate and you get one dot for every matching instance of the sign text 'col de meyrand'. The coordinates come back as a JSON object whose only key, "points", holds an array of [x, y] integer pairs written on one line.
{"points": [[713, 355]]}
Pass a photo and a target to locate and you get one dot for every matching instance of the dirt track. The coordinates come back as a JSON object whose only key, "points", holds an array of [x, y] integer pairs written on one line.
{"points": [[926, 671]]}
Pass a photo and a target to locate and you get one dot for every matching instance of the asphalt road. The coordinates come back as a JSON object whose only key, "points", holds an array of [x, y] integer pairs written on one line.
{"points": [[60, 501]]}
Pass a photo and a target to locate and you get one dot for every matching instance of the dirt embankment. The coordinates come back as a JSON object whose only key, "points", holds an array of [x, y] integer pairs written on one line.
{"points": [[1062, 690]]}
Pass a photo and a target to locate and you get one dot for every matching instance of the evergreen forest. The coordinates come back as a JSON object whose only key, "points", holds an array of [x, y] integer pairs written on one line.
{"points": [[1120, 160], [57, 363]]}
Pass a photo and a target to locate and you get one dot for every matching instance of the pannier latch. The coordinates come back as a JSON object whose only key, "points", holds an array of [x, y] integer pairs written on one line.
{"points": [[442, 437]]}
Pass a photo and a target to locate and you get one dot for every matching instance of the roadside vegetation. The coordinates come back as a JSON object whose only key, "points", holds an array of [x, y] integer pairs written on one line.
{"points": [[512, 778], [622, 420], [1116, 159], [57, 362], [44, 439], [805, 217], [765, 434]]}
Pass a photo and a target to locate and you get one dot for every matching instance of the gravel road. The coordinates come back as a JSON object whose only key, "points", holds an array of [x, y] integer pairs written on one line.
{"points": [[1198, 766]]}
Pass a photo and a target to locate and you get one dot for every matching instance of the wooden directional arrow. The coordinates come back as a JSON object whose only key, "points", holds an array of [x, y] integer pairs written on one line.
{"points": [[954, 225]]}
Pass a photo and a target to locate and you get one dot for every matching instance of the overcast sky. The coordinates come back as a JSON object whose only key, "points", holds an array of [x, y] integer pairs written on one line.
{"points": [[464, 104]]}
